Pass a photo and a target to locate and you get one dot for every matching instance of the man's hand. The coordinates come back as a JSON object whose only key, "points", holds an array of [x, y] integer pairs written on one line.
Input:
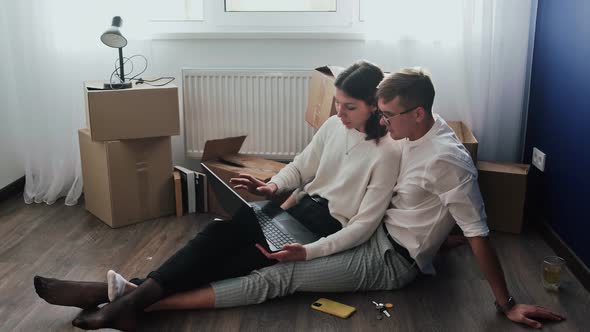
{"points": [[453, 241], [524, 313], [253, 185], [290, 252], [520, 313]]}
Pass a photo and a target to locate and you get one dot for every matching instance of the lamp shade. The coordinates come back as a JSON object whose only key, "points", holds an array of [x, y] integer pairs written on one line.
{"points": [[113, 37]]}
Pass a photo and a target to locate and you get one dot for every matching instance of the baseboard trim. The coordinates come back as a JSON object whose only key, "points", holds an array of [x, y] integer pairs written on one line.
{"points": [[12, 189], [574, 263]]}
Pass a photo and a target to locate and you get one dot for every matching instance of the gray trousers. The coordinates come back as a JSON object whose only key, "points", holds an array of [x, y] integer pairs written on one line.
{"points": [[374, 265]]}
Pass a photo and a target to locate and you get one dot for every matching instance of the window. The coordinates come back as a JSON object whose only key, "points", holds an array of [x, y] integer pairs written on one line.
{"points": [[280, 5], [205, 17]]}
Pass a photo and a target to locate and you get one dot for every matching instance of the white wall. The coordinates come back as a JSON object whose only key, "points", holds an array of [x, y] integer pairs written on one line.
{"points": [[11, 158]]}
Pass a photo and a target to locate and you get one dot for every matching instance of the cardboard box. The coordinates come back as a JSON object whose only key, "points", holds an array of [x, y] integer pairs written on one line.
{"points": [[466, 137], [127, 181], [320, 102], [222, 157], [503, 187], [140, 112]]}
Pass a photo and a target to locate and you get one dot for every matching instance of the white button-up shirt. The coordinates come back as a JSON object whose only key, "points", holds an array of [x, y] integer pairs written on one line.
{"points": [[437, 187]]}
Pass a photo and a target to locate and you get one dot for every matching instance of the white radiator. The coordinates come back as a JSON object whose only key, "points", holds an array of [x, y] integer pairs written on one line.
{"points": [[267, 105]]}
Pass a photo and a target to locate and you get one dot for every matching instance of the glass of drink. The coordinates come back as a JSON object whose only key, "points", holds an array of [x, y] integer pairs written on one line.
{"points": [[552, 267]]}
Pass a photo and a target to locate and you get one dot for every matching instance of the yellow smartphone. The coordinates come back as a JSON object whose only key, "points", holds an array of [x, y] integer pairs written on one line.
{"points": [[333, 308]]}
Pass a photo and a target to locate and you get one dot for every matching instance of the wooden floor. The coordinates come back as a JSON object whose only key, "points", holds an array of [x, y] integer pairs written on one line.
{"points": [[68, 242]]}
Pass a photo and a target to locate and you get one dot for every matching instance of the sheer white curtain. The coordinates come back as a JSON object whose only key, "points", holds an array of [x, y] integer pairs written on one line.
{"points": [[53, 46], [478, 52]]}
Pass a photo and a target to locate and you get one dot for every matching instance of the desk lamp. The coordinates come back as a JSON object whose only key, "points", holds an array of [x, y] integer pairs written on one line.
{"points": [[113, 38]]}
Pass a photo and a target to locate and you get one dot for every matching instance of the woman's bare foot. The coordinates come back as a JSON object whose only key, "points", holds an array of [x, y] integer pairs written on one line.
{"points": [[81, 294]]}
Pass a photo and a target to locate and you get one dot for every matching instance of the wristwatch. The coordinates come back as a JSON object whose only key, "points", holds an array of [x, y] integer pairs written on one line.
{"points": [[505, 308]]}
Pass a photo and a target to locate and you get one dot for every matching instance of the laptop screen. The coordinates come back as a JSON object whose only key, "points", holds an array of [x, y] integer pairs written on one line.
{"points": [[229, 199]]}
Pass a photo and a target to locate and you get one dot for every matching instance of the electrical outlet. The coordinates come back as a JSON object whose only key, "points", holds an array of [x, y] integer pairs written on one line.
{"points": [[539, 159]]}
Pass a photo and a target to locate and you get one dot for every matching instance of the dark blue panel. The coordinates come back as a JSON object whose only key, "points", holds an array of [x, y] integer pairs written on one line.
{"points": [[559, 121]]}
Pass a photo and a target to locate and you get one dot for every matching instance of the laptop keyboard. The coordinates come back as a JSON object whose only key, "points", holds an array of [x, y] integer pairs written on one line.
{"points": [[271, 231]]}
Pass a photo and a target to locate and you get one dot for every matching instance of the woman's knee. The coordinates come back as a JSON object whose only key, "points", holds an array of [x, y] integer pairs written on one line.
{"points": [[217, 230]]}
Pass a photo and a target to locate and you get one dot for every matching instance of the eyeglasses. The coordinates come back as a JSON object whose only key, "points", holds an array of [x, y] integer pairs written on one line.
{"points": [[387, 119]]}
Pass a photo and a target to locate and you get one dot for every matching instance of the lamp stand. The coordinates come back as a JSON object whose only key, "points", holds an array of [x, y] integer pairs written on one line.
{"points": [[123, 84]]}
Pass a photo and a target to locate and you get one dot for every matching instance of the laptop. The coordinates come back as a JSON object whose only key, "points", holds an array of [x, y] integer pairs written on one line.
{"points": [[277, 225]]}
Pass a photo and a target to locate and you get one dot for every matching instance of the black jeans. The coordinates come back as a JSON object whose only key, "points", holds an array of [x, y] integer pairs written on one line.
{"points": [[226, 249]]}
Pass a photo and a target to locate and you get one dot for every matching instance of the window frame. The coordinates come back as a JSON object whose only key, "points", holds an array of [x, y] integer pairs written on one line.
{"points": [[217, 23], [340, 18]]}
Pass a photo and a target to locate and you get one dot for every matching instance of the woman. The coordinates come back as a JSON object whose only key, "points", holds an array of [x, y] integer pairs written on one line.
{"points": [[350, 151]]}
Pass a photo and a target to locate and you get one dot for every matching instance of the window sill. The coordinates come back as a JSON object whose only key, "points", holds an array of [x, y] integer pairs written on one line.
{"points": [[319, 35]]}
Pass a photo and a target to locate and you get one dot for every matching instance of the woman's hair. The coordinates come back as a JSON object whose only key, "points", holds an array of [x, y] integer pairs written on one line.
{"points": [[360, 81]]}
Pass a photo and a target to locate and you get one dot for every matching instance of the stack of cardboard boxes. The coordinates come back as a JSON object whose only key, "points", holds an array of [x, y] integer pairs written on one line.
{"points": [[126, 152]]}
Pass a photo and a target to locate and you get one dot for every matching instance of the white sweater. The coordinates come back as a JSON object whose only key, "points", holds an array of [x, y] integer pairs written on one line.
{"points": [[358, 185]]}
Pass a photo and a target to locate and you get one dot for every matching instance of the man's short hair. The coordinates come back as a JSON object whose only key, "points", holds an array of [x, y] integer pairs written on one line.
{"points": [[413, 87]]}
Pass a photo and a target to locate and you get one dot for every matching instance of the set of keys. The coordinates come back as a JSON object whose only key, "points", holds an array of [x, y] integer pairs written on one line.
{"points": [[382, 309]]}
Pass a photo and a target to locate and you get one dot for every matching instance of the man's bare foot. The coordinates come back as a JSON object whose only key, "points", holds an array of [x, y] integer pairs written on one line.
{"points": [[117, 315], [81, 294]]}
